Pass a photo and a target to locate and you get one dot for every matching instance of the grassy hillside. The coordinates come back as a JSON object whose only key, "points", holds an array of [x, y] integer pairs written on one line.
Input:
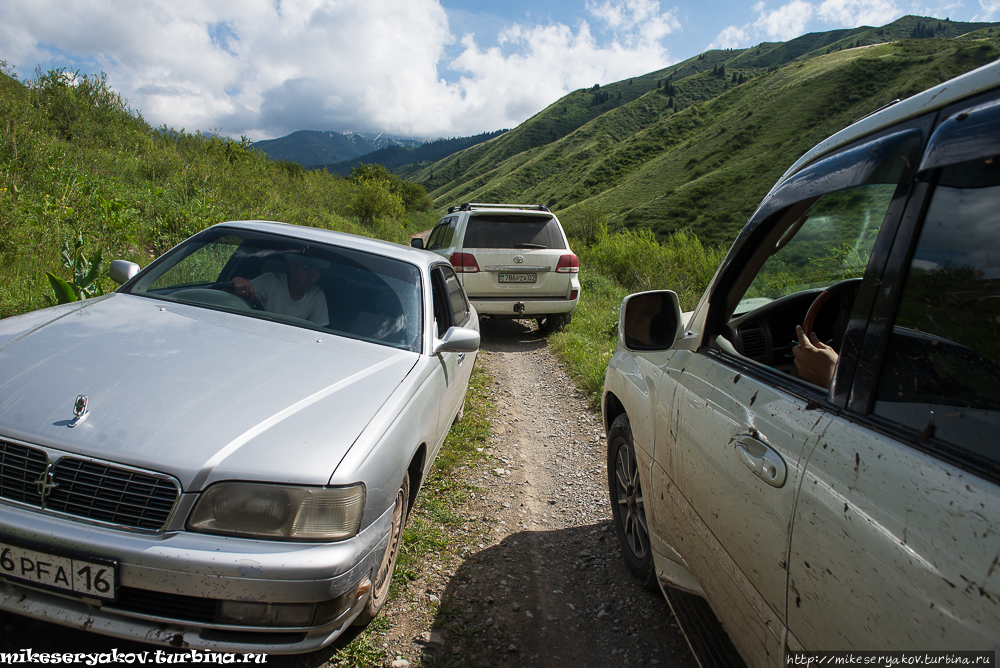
{"points": [[686, 148], [77, 162]]}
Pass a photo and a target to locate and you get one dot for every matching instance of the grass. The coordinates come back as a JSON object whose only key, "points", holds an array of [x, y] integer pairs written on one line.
{"points": [[75, 159]]}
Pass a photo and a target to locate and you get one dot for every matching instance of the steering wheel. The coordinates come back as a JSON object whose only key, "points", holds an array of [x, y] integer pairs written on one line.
{"points": [[846, 288], [227, 286]]}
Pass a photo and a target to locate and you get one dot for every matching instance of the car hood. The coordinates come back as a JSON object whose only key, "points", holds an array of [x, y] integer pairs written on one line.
{"points": [[199, 394]]}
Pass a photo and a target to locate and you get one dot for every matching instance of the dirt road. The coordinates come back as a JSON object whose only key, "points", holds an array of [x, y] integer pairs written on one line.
{"points": [[548, 586], [543, 585]]}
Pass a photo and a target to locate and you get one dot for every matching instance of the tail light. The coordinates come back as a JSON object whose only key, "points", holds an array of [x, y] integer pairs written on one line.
{"points": [[568, 264], [465, 263]]}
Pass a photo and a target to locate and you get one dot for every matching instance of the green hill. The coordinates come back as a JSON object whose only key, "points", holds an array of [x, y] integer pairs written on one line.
{"points": [[695, 146], [79, 167]]}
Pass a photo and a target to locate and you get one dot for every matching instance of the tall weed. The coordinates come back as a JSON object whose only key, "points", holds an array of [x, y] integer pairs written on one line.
{"points": [[636, 260]]}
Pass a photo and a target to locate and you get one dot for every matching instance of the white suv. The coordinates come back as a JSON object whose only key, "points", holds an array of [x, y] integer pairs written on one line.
{"points": [[513, 260], [840, 490]]}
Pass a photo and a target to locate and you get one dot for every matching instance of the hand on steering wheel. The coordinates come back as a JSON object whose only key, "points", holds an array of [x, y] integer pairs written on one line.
{"points": [[241, 288]]}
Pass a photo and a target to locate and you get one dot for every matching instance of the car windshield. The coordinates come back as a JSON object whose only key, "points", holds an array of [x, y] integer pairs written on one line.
{"points": [[293, 281]]}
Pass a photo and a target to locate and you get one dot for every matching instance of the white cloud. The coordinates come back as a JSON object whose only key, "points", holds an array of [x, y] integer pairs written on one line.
{"points": [[268, 67], [851, 13], [793, 19], [991, 9]]}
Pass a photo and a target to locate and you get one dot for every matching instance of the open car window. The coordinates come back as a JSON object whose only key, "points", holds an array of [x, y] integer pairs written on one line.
{"points": [[343, 291], [831, 242]]}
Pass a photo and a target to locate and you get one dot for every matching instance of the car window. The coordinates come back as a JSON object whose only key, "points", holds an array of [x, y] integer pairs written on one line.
{"points": [[443, 314], [443, 234], [832, 241], [513, 231], [941, 371], [456, 297], [297, 282]]}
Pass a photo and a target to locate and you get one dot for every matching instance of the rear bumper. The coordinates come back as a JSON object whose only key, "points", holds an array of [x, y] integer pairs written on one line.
{"points": [[505, 307]]}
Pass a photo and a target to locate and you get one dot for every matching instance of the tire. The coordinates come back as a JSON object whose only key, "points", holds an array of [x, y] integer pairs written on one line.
{"points": [[554, 322], [383, 576], [627, 505]]}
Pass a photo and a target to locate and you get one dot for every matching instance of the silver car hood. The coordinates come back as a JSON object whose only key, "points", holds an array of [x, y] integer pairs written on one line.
{"points": [[195, 393]]}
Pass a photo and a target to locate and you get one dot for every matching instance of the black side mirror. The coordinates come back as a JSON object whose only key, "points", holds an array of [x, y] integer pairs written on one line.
{"points": [[417, 242]]}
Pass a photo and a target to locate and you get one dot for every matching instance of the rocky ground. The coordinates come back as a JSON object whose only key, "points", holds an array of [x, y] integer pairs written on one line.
{"points": [[541, 584]]}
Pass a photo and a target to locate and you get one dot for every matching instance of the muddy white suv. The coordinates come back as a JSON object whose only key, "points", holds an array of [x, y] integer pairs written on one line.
{"points": [[839, 491], [513, 260]]}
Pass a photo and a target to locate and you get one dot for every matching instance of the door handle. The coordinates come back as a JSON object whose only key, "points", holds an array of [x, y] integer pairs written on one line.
{"points": [[762, 460]]}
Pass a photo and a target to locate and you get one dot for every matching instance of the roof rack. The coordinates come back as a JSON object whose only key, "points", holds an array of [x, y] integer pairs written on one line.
{"points": [[469, 206]]}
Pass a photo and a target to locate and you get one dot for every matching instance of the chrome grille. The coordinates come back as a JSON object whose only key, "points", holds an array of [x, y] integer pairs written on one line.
{"points": [[85, 488], [20, 468]]}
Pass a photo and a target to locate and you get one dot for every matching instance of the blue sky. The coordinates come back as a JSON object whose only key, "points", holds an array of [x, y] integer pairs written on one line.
{"points": [[422, 68]]}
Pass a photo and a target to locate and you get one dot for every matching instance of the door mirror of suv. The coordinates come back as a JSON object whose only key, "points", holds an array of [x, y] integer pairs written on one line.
{"points": [[458, 340], [417, 242], [649, 320], [122, 270]]}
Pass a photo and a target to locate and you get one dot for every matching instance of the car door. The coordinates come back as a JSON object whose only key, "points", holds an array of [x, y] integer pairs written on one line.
{"points": [[896, 532], [451, 308], [743, 423]]}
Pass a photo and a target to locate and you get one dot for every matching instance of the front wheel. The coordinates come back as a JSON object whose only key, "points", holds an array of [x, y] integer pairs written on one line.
{"points": [[383, 577], [627, 503]]}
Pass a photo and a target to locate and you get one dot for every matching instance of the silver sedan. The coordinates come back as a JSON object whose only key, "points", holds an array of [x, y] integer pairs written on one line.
{"points": [[222, 453]]}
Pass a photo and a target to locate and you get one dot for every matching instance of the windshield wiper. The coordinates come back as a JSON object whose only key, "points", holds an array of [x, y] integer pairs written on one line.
{"points": [[542, 246]]}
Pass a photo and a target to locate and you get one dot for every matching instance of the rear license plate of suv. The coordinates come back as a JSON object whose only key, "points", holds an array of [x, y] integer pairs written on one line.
{"points": [[85, 577], [517, 278]]}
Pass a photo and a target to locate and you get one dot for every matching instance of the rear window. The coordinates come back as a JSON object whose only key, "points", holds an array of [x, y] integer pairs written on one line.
{"points": [[503, 231]]}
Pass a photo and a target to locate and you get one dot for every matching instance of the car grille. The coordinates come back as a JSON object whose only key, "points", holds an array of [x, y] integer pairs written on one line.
{"points": [[85, 488], [163, 605]]}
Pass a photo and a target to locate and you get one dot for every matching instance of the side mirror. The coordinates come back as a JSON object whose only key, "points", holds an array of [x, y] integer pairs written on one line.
{"points": [[649, 320], [417, 242], [458, 340], [121, 271]]}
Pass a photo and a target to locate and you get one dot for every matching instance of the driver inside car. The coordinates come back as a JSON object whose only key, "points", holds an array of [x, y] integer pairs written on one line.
{"points": [[293, 294]]}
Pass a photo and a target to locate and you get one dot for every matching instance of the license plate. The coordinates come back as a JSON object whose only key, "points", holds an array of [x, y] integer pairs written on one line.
{"points": [[82, 576], [517, 278]]}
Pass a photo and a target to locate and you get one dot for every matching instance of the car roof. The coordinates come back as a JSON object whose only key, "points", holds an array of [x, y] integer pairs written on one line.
{"points": [[343, 239], [966, 85]]}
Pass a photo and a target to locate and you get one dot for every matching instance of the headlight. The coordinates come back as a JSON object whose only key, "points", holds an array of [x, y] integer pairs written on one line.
{"points": [[278, 511]]}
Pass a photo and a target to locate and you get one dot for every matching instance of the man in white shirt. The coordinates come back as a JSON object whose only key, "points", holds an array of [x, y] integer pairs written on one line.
{"points": [[294, 294]]}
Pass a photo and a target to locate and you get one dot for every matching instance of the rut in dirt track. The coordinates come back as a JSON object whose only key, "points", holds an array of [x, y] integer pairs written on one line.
{"points": [[550, 588]]}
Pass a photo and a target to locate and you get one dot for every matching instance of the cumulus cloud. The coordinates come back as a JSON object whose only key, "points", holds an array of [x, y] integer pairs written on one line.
{"points": [[265, 68], [794, 18], [991, 9]]}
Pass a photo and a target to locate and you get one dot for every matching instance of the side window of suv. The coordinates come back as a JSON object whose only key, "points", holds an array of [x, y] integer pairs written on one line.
{"points": [[941, 371], [443, 234]]}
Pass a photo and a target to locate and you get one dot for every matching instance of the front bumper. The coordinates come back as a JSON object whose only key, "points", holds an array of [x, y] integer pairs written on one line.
{"points": [[169, 584]]}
